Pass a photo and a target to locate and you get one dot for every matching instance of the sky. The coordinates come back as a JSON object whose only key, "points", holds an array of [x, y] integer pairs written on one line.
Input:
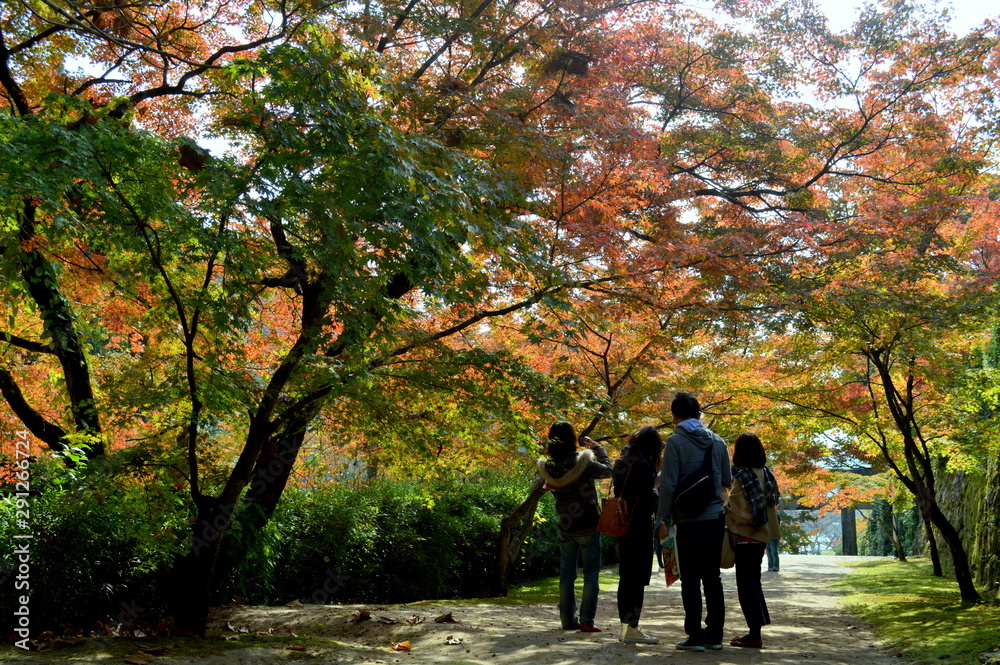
{"points": [[966, 14]]}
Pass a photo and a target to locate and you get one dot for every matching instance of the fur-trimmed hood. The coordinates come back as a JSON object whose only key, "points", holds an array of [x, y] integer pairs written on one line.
{"points": [[564, 474]]}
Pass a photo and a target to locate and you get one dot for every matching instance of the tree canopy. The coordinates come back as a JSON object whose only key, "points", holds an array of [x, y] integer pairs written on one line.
{"points": [[435, 226]]}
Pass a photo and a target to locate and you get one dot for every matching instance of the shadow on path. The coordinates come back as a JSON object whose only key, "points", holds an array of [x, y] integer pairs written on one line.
{"points": [[808, 627]]}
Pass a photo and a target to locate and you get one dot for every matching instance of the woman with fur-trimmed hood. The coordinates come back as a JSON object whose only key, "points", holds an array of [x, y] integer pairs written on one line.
{"points": [[570, 474]]}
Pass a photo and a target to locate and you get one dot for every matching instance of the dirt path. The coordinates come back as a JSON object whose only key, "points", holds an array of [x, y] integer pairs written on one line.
{"points": [[808, 627]]}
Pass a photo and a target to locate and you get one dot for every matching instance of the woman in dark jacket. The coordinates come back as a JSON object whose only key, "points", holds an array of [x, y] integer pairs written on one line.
{"points": [[570, 475], [634, 481]]}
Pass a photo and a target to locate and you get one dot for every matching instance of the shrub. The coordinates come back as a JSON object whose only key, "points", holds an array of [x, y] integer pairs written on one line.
{"points": [[104, 540], [100, 542], [394, 541]]}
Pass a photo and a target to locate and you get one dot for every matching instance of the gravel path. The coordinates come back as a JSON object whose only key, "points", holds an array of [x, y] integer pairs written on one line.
{"points": [[808, 627]]}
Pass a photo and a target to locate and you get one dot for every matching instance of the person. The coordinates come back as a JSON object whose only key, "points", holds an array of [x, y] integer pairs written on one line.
{"points": [[634, 481], [752, 516], [570, 474], [699, 533], [772, 555]]}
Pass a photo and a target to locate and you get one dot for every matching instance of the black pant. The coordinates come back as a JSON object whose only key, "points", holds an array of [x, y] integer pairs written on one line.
{"points": [[699, 551], [748, 559], [636, 554]]}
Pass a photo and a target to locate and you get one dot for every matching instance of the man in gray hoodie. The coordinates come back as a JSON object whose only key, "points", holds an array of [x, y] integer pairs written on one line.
{"points": [[699, 533]]}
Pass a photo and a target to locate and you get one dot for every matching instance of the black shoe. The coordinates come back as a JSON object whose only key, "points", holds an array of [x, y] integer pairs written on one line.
{"points": [[689, 645]]}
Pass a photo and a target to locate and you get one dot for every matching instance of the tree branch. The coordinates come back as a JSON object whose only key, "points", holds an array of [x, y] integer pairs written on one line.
{"points": [[26, 344], [49, 433]]}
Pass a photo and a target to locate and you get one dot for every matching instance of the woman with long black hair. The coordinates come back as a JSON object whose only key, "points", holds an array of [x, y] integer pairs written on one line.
{"points": [[634, 481]]}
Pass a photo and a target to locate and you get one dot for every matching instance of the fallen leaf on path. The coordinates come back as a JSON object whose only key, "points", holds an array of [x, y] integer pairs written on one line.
{"points": [[401, 646], [446, 618], [359, 615], [296, 647], [454, 640], [60, 643], [389, 621], [413, 621], [294, 603], [139, 658]]}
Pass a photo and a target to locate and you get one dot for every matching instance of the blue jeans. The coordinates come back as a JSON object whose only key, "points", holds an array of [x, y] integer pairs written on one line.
{"points": [[772, 555], [571, 548]]}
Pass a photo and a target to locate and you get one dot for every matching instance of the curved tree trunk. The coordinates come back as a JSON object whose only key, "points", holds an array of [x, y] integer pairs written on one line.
{"points": [[195, 573], [932, 544], [514, 530], [897, 542], [960, 559], [917, 471], [263, 493], [58, 321]]}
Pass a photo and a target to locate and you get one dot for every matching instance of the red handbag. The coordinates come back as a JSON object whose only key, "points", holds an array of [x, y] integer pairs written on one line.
{"points": [[615, 514]]}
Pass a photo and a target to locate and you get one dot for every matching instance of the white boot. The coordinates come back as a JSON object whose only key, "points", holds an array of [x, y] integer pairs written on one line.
{"points": [[632, 635]]}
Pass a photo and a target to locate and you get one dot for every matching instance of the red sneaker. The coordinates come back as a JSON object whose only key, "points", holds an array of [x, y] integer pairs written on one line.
{"points": [[589, 628]]}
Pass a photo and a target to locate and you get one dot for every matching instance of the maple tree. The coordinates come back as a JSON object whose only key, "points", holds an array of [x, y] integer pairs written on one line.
{"points": [[890, 331], [412, 184]]}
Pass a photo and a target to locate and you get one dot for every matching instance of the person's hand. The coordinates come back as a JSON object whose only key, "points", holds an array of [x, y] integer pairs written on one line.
{"points": [[588, 442], [663, 531]]}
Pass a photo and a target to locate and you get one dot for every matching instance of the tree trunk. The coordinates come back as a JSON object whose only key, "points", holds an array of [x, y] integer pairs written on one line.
{"points": [[963, 574], [849, 531], [932, 544], [514, 530], [58, 321], [194, 575], [897, 542], [267, 484]]}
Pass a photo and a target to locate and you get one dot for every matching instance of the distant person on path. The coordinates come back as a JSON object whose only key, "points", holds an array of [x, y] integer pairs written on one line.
{"points": [[772, 555], [570, 474], [751, 514], [691, 452], [634, 481]]}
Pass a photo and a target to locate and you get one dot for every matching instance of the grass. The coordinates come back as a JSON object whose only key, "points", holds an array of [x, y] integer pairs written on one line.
{"points": [[921, 615], [547, 590], [538, 591]]}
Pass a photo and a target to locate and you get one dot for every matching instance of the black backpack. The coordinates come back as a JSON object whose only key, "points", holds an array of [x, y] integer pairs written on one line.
{"points": [[697, 489]]}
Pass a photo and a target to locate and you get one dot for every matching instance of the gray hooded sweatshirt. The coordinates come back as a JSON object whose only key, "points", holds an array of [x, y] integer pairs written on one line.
{"points": [[682, 455]]}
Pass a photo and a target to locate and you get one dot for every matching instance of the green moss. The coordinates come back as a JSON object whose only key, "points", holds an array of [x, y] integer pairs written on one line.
{"points": [[541, 591], [921, 615]]}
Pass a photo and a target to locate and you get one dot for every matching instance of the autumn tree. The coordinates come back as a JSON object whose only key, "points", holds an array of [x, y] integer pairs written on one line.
{"points": [[346, 227], [894, 329], [404, 177]]}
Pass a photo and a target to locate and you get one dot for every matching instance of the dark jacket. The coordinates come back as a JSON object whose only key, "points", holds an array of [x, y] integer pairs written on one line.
{"points": [[682, 455], [633, 480], [572, 481]]}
